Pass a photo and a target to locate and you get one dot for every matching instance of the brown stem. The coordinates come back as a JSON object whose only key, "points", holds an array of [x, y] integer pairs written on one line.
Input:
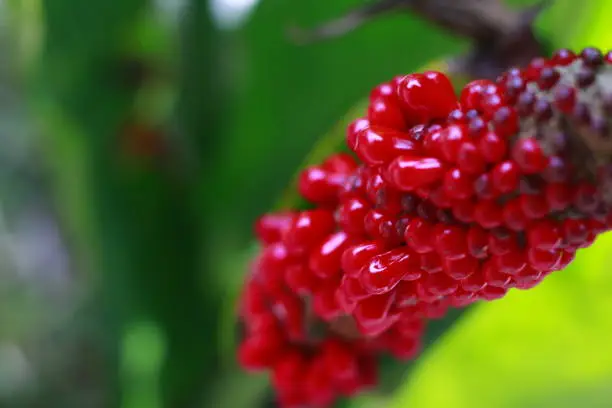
{"points": [[502, 36]]}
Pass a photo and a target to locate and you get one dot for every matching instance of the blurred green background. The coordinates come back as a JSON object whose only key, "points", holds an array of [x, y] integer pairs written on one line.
{"points": [[138, 142]]}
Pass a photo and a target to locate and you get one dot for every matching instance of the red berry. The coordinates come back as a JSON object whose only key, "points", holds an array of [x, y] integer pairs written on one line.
{"points": [[470, 159], [372, 314], [300, 279], [351, 215], [325, 258], [477, 242], [471, 95], [506, 176], [558, 196], [488, 214], [463, 210], [493, 276], [514, 216], [544, 234], [534, 206], [353, 129], [319, 186], [355, 257], [450, 241], [269, 228], [461, 268], [452, 137], [426, 96], [308, 229], [563, 57], [385, 270], [528, 154], [511, 262], [544, 260], [325, 303], [383, 112], [505, 121], [439, 284], [492, 147], [458, 185], [419, 235], [409, 172], [376, 145]]}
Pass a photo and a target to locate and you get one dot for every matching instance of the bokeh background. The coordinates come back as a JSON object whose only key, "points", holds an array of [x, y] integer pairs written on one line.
{"points": [[139, 140]]}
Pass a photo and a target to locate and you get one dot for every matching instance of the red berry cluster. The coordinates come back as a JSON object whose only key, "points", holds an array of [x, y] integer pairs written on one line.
{"points": [[455, 200], [294, 315]]}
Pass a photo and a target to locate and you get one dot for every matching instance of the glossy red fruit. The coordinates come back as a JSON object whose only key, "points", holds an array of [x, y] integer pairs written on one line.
{"points": [[505, 177], [357, 256], [351, 214], [426, 96], [353, 129], [461, 268], [450, 241], [458, 185], [407, 173], [320, 186], [545, 234], [376, 145], [269, 228], [528, 154], [383, 112], [308, 229], [419, 235], [325, 259], [492, 147], [452, 138], [386, 270]]}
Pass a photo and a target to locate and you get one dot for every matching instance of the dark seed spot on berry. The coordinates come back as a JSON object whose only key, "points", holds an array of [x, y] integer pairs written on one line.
{"points": [[591, 57], [501, 232], [426, 211], [548, 78], [525, 102], [380, 198], [565, 97], [445, 216], [557, 170], [400, 226], [514, 86], [482, 186], [601, 212], [409, 203], [585, 77], [531, 185], [582, 114], [573, 214], [542, 110]]}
